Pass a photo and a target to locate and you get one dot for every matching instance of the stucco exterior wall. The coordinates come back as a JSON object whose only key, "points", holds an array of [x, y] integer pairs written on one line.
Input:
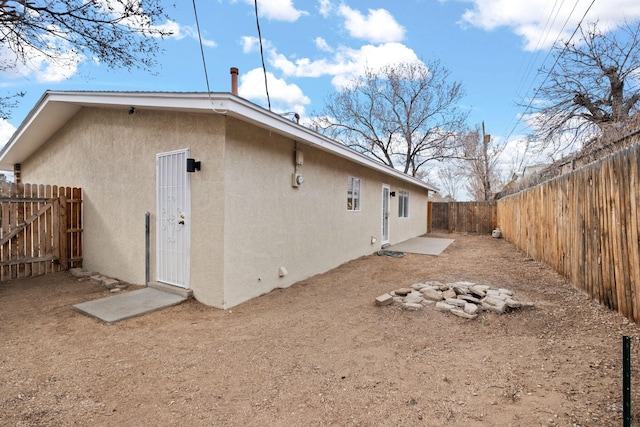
{"points": [[307, 230], [247, 221], [112, 155]]}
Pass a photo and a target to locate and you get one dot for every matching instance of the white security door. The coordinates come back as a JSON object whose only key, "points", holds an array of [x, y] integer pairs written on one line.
{"points": [[385, 214], [173, 218]]}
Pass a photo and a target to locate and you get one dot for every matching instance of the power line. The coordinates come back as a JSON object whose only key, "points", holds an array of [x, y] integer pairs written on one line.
{"points": [[542, 40], [551, 19], [204, 63], [264, 69], [553, 66], [544, 35]]}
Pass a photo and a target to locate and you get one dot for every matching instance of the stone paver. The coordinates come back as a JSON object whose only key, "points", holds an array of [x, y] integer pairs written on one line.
{"points": [[462, 299]]}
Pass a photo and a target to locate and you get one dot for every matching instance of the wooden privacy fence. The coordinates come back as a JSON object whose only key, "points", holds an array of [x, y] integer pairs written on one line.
{"points": [[464, 217], [40, 229], [586, 226]]}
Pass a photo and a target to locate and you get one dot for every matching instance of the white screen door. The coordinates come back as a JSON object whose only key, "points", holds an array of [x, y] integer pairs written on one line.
{"points": [[173, 218], [385, 214]]}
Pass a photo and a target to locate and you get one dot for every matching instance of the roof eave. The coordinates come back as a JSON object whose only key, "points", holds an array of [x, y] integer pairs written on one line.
{"points": [[55, 108]]}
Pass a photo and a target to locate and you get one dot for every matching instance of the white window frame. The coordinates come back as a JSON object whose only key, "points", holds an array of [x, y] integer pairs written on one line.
{"points": [[403, 203], [354, 195]]}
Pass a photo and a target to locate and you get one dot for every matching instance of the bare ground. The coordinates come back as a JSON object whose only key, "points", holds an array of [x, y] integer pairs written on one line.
{"points": [[321, 353]]}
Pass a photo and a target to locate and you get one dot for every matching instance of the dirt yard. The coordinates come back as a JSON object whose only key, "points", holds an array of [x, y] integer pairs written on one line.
{"points": [[321, 353]]}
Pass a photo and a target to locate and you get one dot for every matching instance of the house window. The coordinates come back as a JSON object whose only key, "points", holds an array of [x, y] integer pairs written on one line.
{"points": [[353, 194], [403, 204]]}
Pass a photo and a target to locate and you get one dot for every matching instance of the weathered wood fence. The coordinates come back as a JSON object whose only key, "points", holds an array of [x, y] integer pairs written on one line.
{"points": [[464, 217], [586, 226], [40, 229]]}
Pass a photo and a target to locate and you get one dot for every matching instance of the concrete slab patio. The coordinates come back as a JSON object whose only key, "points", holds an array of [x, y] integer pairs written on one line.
{"points": [[131, 304], [422, 245]]}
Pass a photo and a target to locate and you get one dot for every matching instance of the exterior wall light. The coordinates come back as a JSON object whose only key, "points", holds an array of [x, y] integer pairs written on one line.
{"points": [[193, 165]]}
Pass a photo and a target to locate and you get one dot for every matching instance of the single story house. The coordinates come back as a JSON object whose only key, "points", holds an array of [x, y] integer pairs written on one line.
{"points": [[241, 200]]}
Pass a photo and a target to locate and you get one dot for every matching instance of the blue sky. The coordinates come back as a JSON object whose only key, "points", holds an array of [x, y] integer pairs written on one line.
{"points": [[494, 47]]}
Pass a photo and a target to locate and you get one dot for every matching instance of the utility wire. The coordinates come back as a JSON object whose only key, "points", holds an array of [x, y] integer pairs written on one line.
{"points": [[528, 69], [204, 63], [264, 69], [551, 19], [552, 67], [543, 38]]}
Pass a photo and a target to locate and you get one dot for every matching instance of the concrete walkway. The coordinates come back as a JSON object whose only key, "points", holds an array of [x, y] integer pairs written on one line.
{"points": [[130, 304], [422, 245]]}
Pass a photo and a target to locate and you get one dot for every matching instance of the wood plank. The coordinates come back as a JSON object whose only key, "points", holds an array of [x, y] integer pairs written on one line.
{"points": [[42, 235], [28, 242], [13, 220], [19, 227], [21, 238], [55, 233], [634, 222], [77, 224], [35, 232], [15, 262], [62, 235], [621, 168], [5, 271], [48, 237], [608, 279], [615, 239]]}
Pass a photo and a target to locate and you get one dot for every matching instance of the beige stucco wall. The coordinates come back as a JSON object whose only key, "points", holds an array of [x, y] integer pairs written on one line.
{"points": [[307, 230], [111, 155], [247, 220]]}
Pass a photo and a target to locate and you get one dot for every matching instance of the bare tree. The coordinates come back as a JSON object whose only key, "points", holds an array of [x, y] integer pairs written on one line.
{"points": [[403, 115], [8, 103], [479, 164], [592, 86], [118, 33], [450, 179]]}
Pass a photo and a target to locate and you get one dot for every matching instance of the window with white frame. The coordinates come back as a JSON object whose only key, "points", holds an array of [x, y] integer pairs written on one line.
{"points": [[353, 194], [403, 204]]}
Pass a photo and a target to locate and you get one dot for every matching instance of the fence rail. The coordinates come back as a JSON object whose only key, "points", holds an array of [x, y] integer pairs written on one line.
{"points": [[464, 217], [40, 229], [586, 226]]}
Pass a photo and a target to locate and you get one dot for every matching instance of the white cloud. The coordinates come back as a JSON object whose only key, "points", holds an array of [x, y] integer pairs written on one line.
{"points": [[252, 44], [44, 66], [249, 44], [541, 22], [377, 27], [278, 10], [171, 27], [179, 32], [6, 131], [515, 155], [346, 64], [323, 45], [356, 61], [283, 96], [325, 7]]}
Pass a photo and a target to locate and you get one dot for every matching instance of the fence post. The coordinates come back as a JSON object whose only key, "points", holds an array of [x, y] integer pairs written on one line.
{"points": [[626, 381], [147, 230]]}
